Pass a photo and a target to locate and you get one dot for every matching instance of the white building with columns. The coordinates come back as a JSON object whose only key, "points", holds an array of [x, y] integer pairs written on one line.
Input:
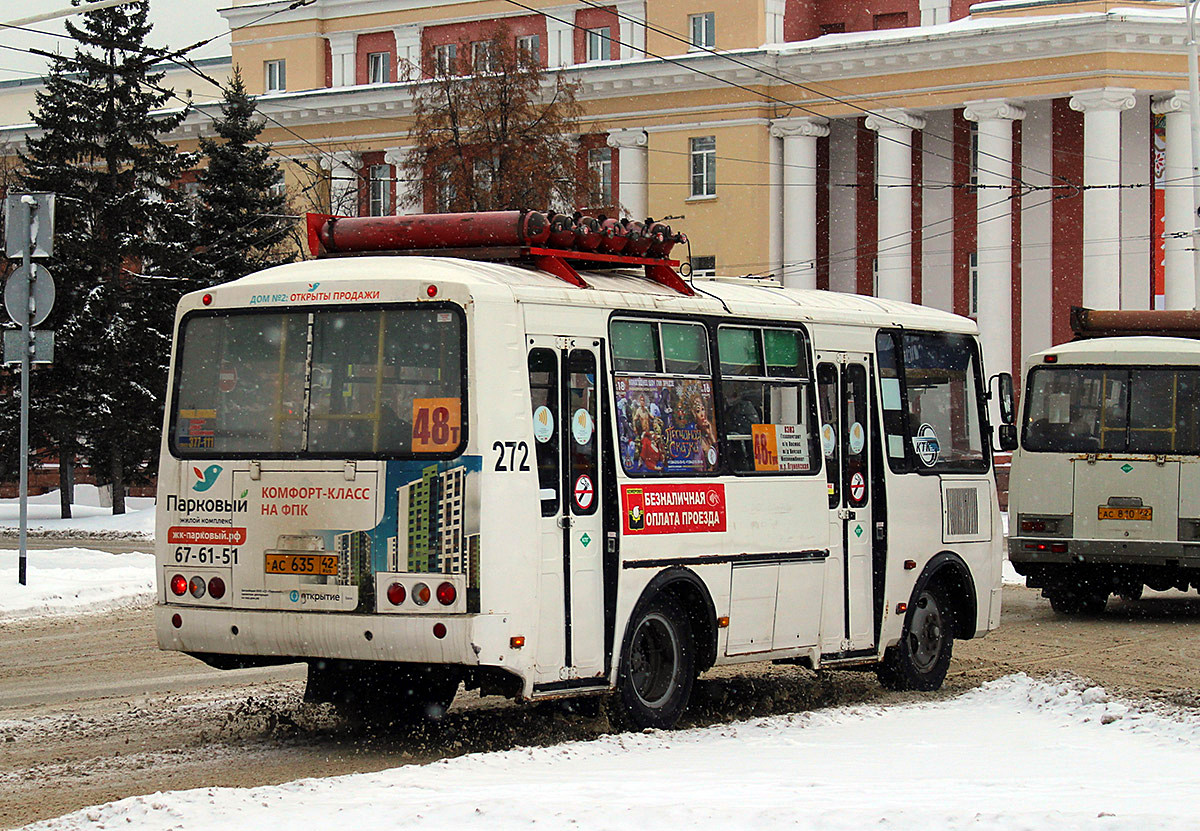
{"points": [[1005, 160]]}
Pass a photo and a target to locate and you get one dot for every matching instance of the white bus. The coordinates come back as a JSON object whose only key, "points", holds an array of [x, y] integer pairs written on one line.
{"points": [[1105, 488], [413, 472]]}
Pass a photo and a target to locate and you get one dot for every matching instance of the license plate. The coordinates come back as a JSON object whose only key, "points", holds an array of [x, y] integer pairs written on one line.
{"points": [[1126, 513], [324, 564]]}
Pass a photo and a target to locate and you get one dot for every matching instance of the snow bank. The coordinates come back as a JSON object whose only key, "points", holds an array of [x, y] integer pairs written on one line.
{"points": [[74, 581], [89, 518], [1014, 754]]}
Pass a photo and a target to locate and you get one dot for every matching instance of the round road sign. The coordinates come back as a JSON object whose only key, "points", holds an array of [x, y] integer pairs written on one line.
{"points": [[16, 294]]}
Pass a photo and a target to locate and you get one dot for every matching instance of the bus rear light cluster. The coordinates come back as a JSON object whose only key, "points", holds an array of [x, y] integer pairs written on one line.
{"points": [[214, 587], [421, 594], [1052, 547]]}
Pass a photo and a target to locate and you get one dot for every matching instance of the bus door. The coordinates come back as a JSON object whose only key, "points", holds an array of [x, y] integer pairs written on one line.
{"points": [[566, 401], [843, 384]]}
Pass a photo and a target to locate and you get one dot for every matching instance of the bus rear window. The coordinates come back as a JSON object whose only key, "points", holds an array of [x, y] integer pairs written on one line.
{"points": [[1073, 409], [380, 382]]}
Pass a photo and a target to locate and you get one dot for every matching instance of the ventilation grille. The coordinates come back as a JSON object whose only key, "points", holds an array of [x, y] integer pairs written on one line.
{"points": [[962, 511]]}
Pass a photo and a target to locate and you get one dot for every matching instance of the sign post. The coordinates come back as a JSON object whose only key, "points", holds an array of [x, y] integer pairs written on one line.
{"points": [[28, 296]]}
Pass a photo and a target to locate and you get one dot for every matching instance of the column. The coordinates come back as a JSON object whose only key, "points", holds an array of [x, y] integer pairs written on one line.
{"points": [[632, 29], [408, 52], [343, 182], [774, 23], [799, 198], [408, 194], [893, 174], [341, 49], [994, 224], [560, 39], [934, 12], [843, 204], [937, 212], [632, 163], [1180, 287], [1101, 110]]}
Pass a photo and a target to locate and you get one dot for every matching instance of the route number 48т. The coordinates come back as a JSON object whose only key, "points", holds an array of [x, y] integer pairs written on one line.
{"points": [[206, 555]]}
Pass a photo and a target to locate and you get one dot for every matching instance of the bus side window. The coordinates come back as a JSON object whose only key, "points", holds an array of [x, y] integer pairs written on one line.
{"points": [[543, 393], [581, 409], [827, 391]]}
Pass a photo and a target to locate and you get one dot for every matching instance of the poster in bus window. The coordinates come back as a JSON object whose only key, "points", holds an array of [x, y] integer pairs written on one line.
{"points": [[666, 425]]}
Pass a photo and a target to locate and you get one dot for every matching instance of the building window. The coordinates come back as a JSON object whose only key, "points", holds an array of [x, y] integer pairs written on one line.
{"points": [[704, 266], [379, 67], [701, 27], [276, 75], [445, 194], [600, 163], [483, 181], [530, 45], [973, 284], [833, 28], [704, 166], [380, 183], [598, 41], [483, 56], [445, 57], [875, 277], [279, 188]]}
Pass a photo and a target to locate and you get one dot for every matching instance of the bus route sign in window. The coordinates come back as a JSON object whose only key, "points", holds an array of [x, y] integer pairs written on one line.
{"points": [[381, 382]]}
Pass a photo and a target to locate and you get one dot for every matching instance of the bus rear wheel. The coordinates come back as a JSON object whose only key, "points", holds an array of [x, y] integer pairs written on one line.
{"points": [[921, 659], [658, 667]]}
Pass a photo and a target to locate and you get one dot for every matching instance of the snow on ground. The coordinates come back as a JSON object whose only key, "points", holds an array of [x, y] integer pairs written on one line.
{"points": [[1014, 754], [64, 581], [88, 517], [75, 580]]}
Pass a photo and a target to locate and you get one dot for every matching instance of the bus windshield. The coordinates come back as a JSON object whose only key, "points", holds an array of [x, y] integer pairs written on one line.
{"points": [[338, 382], [1074, 409]]}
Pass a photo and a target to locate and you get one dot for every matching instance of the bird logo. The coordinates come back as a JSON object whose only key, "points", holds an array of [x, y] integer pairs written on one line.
{"points": [[312, 287], [207, 478]]}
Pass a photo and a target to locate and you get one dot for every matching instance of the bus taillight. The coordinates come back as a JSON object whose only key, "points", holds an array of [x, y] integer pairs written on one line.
{"points": [[446, 594], [197, 587], [216, 588], [396, 594], [420, 594], [179, 585]]}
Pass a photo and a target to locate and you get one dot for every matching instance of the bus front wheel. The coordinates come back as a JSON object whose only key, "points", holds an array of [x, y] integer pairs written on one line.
{"points": [[922, 657], [658, 666]]}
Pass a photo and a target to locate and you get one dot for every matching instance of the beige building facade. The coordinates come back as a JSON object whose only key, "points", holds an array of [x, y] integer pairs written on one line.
{"points": [[1005, 159]]}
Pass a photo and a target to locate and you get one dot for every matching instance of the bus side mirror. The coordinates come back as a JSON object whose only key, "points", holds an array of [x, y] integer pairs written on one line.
{"points": [[1007, 435], [1005, 397]]}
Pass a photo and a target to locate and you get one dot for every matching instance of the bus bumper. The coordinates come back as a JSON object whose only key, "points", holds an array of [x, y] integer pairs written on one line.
{"points": [[469, 640], [1027, 553]]}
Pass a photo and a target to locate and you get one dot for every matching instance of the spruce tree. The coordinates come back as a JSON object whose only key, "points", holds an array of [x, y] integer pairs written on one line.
{"points": [[242, 223], [100, 150]]}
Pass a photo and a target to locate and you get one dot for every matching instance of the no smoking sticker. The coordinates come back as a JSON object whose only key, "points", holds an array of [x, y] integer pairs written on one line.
{"points": [[585, 492], [858, 487]]}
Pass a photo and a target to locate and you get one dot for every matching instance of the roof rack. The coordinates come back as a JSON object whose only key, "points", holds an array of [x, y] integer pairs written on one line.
{"points": [[551, 242], [1107, 323]]}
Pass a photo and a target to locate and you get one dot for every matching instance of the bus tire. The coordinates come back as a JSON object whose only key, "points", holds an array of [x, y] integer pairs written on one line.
{"points": [[658, 666], [922, 657]]}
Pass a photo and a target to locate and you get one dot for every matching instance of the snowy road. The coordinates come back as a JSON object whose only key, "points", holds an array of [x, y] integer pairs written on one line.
{"points": [[91, 711], [1014, 754]]}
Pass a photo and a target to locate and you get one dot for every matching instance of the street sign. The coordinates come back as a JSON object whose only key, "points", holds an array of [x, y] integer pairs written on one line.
{"points": [[16, 294], [15, 342], [41, 225]]}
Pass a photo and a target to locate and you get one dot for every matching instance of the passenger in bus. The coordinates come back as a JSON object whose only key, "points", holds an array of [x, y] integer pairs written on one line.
{"points": [[740, 415]]}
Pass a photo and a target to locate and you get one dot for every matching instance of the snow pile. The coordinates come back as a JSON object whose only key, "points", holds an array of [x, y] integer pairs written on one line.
{"points": [[74, 581], [89, 518], [1014, 754]]}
